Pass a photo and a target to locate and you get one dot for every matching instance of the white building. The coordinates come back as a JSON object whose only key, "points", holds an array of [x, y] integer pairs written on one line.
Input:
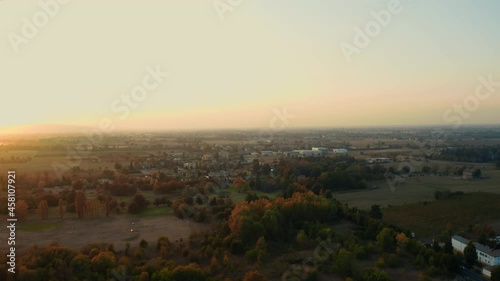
{"points": [[291, 153], [340, 151], [267, 153], [307, 153], [485, 255], [323, 150]]}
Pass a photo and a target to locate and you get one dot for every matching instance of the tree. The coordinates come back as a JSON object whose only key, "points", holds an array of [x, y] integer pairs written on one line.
{"points": [[241, 184], [44, 209], [495, 273], [386, 240], [256, 167], [426, 169], [266, 169], [118, 166], [375, 212], [21, 209], [470, 254], [138, 204], [374, 274], [254, 276], [61, 208], [103, 262], [80, 203], [405, 169], [251, 197], [477, 173]]}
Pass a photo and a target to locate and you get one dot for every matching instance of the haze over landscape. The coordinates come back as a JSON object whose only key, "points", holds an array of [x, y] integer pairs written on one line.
{"points": [[245, 140], [232, 73]]}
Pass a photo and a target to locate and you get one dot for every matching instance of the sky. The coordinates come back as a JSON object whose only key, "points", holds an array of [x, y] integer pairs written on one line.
{"points": [[160, 65]]}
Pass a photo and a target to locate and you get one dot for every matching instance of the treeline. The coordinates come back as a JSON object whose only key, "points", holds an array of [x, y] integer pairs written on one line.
{"points": [[324, 173], [475, 154]]}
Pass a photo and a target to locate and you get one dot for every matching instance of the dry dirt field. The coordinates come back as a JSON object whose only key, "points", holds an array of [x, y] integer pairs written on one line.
{"points": [[76, 233]]}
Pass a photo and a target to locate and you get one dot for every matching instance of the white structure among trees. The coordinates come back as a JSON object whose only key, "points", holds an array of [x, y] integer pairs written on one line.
{"points": [[485, 255]]}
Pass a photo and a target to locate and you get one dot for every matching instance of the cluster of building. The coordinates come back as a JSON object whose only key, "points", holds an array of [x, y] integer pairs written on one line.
{"points": [[220, 162], [485, 255]]}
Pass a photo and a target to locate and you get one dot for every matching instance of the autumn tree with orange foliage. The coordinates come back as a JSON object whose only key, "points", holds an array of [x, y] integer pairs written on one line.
{"points": [[402, 239], [277, 219], [241, 184], [21, 209], [254, 276]]}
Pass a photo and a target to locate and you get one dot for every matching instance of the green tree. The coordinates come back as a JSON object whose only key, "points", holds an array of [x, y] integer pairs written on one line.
{"points": [[81, 264], [477, 173], [374, 274], [251, 197], [495, 273], [426, 169], [103, 262], [375, 212], [344, 263], [266, 169], [470, 254], [387, 240]]}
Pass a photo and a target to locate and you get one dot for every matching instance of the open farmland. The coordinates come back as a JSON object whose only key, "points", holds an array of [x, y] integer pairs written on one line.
{"points": [[418, 188], [430, 219]]}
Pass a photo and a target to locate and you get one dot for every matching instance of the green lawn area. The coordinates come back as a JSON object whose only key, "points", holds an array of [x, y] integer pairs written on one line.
{"points": [[38, 226], [430, 219]]}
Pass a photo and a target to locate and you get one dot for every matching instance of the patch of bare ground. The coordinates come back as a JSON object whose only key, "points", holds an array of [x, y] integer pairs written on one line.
{"points": [[118, 230]]}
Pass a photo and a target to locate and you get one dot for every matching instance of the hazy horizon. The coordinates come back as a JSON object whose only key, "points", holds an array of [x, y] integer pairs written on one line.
{"points": [[259, 65]]}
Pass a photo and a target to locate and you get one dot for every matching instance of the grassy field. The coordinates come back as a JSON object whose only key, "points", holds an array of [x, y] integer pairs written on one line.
{"points": [[39, 226], [417, 189], [430, 219]]}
